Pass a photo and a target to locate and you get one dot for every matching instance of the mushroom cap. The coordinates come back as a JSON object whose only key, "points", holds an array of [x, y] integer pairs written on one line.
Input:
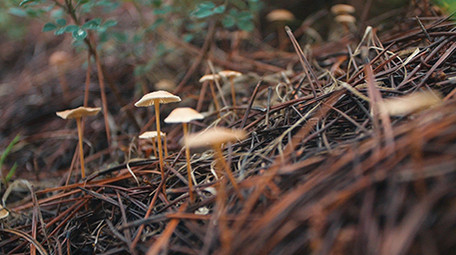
{"points": [[345, 18], [79, 112], [338, 9], [162, 96], [183, 114], [411, 103], [214, 136], [209, 77], [165, 84], [150, 134], [229, 73], [280, 15], [58, 58], [3, 212]]}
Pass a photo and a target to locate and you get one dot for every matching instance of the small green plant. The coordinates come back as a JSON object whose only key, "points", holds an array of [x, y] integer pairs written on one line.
{"points": [[5, 153]]}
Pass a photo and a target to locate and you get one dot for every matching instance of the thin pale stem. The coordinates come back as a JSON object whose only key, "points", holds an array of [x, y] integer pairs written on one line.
{"points": [[81, 151], [160, 152], [214, 96], [222, 161], [189, 166]]}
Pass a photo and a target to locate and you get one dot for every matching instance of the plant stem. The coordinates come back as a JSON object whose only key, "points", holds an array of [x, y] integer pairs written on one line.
{"points": [[233, 92], [81, 151], [160, 152], [214, 96]]}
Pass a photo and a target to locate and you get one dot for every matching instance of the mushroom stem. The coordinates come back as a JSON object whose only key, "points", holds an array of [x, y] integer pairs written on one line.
{"points": [[233, 92], [214, 96], [160, 152], [222, 161], [81, 151], [189, 167]]}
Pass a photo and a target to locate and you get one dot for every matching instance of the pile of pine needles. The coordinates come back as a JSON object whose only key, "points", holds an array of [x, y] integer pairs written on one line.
{"points": [[324, 170]]}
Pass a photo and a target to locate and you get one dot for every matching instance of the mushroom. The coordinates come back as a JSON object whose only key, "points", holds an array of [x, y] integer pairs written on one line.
{"points": [[280, 17], [347, 20], [156, 98], [339, 9], [215, 137], [152, 135], [77, 114], [3, 212], [57, 60], [230, 75], [184, 115], [211, 78]]}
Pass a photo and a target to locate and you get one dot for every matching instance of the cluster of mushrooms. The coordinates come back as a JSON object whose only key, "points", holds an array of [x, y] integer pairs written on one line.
{"points": [[214, 137]]}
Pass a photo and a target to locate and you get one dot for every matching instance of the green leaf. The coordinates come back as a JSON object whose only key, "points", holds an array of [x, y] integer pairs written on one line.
{"points": [[60, 31], [61, 22], [246, 25], [70, 28], [206, 5], [228, 21], [49, 27], [92, 24], [79, 34], [24, 2], [8, 150], [17, 12], [202, 13], [110, 23], [11, 172], [219, 9], [164, 10]]}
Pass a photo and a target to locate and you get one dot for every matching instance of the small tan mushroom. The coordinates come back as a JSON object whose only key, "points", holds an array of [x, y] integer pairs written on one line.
{"points": [[280, 17], [347, 20], [230, 75], [339, 9], [215, 137], [156, 98], [211, 78], [152, 135], [3, 212], [185, 115], [57, 60], [78, 114]]}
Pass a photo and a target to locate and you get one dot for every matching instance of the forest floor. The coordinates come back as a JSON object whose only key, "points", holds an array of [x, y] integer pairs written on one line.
{"points": [[348, 148]]}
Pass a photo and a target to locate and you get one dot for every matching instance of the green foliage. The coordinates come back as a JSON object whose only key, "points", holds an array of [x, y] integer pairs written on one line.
{"points": [[448, 5], [5, 153]]}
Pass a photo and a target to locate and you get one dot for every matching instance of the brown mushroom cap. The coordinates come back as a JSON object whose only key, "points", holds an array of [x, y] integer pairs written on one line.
{"points": [[229, 73], [342, 9], [345, 18], [3, 212], [150, 135], [58, 58], [280, 15], [183, 114], [214, 136], [164, 97], [209, 77], [78, 112]]}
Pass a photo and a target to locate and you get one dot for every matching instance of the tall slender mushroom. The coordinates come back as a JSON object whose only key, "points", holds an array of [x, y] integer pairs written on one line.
{"points": [[215, 137], [211, 78], [230, 75], [339, 9], [184, 115], [156, 98], [77, 114], [152, 135], [280, 17], [57, 60]]}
